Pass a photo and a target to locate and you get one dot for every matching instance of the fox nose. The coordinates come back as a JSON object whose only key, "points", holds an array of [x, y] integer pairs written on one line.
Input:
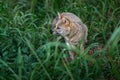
{"points": [[53, 31]]}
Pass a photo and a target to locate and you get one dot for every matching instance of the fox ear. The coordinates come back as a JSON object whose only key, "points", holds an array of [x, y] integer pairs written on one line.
{"points": [[59, 15]]}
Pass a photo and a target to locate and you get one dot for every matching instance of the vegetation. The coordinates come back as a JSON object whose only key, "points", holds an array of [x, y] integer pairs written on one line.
{"points": [[29, 51]]}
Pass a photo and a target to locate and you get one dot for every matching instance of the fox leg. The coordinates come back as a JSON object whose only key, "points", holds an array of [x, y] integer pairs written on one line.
{"points": [[72, 55]]}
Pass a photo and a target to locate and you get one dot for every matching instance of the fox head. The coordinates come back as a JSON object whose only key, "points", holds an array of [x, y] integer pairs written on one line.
{"points": [[62, 25]]}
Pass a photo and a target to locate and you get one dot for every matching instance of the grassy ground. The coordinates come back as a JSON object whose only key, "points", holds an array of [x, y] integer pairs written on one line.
{"points": [[28, 50]]}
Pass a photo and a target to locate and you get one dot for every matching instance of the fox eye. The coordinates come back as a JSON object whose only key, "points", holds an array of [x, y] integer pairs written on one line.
{"points": [[65, 21]]}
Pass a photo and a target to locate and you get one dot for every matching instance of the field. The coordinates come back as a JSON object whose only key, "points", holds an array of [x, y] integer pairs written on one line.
{"points": [[29, 50]]}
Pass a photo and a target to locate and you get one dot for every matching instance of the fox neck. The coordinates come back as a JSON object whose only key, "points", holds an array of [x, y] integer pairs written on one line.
{"points": [[73, 31]]}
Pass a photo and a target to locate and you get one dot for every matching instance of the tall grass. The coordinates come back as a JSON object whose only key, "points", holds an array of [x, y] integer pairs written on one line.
{"points": [[29, 51]]}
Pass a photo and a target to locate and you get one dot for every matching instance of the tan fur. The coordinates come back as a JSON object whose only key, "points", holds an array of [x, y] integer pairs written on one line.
{"points": [[72, 29]]}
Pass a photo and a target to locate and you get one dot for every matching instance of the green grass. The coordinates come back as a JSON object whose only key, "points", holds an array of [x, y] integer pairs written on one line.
{"points": [[29, 51]]}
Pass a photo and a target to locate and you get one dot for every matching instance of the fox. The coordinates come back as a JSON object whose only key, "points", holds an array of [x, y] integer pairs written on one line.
{"points": [[70, 27]]}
